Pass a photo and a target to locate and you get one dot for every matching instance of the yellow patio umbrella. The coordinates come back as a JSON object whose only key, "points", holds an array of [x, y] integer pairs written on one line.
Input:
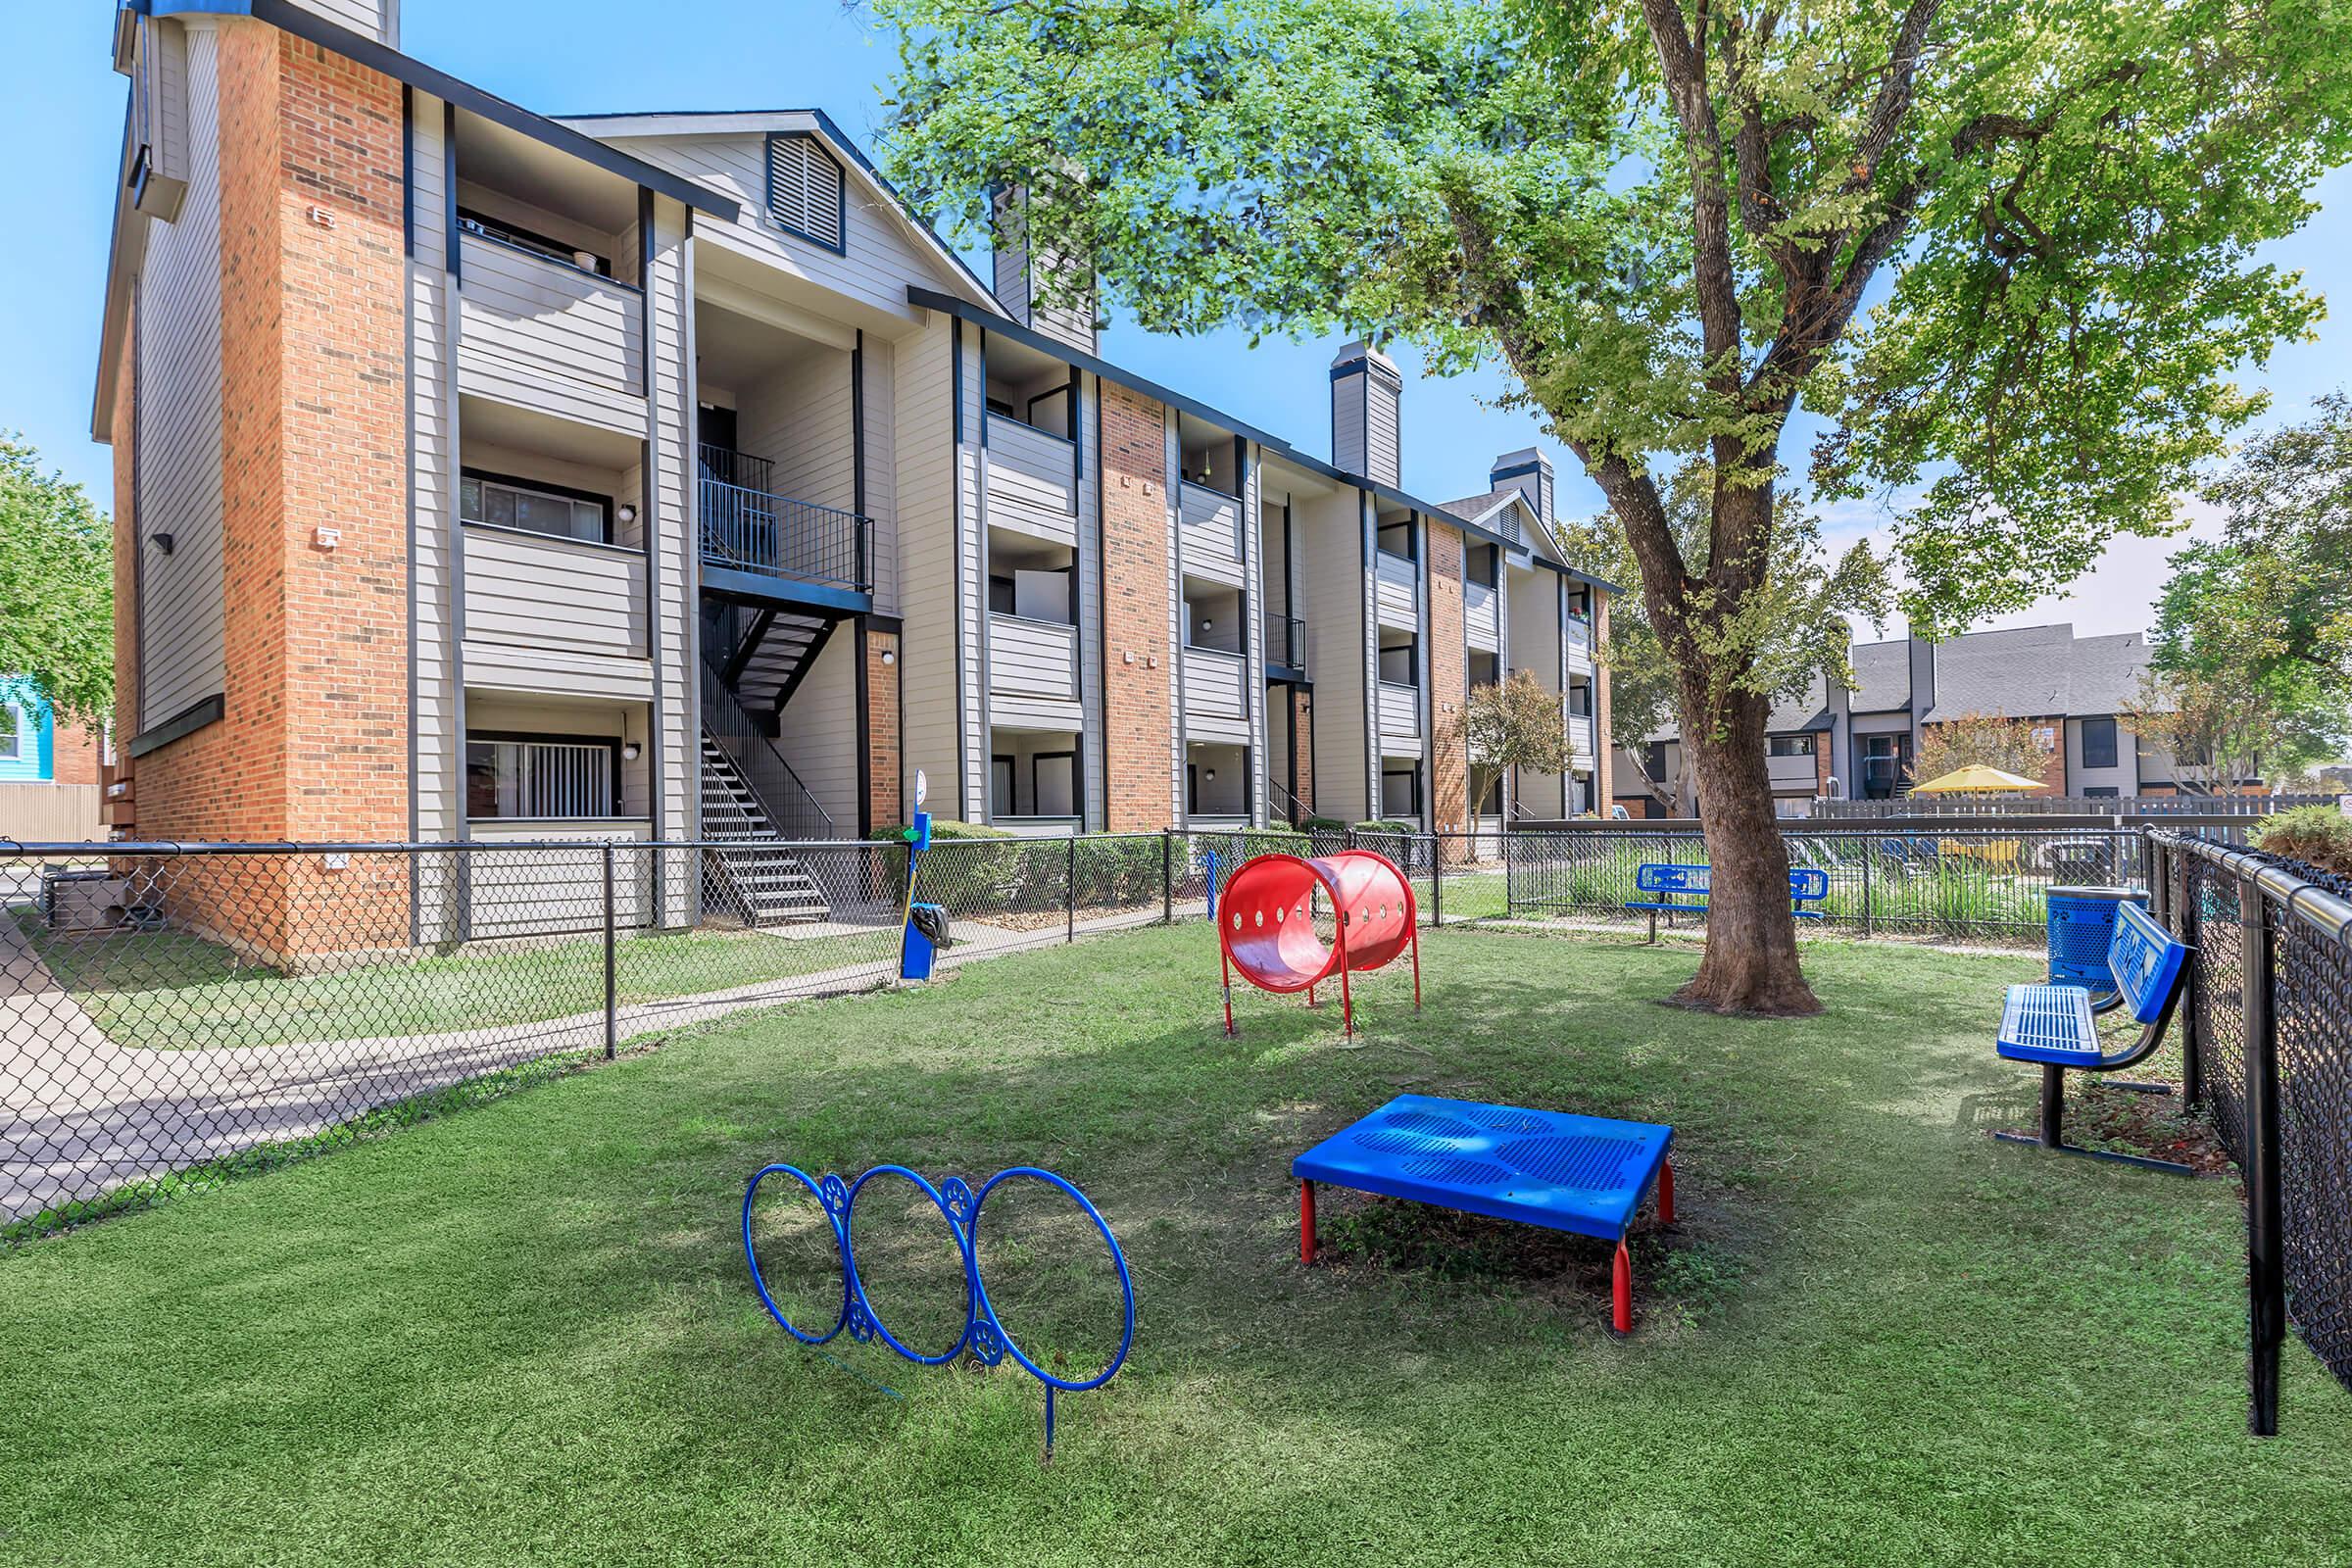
{"points": [[1976, 779]]}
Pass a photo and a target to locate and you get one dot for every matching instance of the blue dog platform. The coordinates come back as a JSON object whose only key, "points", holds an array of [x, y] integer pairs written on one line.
{"points": [[1584, 1174]]}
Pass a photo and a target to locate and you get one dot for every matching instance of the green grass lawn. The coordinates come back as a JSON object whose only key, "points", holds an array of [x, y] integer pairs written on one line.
{"points": [[523, 1333], [171, 990]]}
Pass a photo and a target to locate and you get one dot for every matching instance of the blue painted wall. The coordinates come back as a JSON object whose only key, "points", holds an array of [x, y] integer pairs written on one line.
{"points": [[24, 713]]}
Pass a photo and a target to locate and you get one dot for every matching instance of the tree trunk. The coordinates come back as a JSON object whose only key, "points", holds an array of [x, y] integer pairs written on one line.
{"points": [[1750, 964]]}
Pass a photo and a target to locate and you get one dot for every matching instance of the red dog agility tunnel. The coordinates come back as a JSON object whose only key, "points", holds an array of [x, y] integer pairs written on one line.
{"points": [[1267, 924]]}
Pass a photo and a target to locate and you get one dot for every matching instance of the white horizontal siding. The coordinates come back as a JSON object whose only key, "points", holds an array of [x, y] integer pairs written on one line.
{"points": [[1211, 523], [1577, 636], [1217, 700], [1032, 658], [1400, 712], [553, 594], [519, 668], [1399, 599], [542, 335], [1791, 773], [1026, 465], [1482, 616], [1580, 741]]}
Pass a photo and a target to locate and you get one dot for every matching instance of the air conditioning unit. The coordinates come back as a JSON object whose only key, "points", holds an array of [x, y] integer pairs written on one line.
{"points": [[82, 901]]}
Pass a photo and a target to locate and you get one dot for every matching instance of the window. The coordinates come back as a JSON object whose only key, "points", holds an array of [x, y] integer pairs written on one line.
{"points": [[1400, 663], [1579, 699], [2098, 743], [501, 501], [1000, 786], [517, 776], [804, 191], [526, 239], [12, 731], [1401, 792], [1791, 745], [1396, 539], [1482, 565], [2101, 792]]}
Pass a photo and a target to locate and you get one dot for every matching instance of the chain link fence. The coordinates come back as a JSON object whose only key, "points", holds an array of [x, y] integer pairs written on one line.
{"points": [[1973, 884], [2270, 1055]]}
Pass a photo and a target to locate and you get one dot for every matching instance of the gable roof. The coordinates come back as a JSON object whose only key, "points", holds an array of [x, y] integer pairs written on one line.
{"points": [[1809, 710], [624, 125], [1510, 516], [1882, 678], [2023, 673], [2105, 678]]}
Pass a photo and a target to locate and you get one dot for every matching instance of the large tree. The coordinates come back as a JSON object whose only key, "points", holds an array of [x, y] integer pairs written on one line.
{"points": [[1663, 219], [57, 587]]}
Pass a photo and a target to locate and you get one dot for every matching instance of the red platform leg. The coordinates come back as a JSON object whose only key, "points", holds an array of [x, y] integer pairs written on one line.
{"points": [[1306, 1223], [1416, 968], [1621, 1280], [1225, 967], [1346, 1000], [1666, 1192]]}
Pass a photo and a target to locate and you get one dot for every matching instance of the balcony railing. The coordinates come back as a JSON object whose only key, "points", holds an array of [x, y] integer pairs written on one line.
{"points": [[1286, 641], [748, 527]]}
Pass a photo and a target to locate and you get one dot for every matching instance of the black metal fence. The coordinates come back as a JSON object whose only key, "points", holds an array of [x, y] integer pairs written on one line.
{"points": [[2269, 1050], [1975, 883]]}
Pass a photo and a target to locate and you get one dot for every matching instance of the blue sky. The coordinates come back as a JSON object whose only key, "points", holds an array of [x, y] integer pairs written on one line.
{"points": [[61, 114]]}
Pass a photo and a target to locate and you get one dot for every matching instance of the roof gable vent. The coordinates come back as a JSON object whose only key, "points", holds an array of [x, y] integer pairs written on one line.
{"points": [[806, 194]]}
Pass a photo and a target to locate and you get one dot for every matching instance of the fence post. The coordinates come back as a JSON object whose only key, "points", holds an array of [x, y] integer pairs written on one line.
{"points": [[2266, 1263], [1507, 836], [1167, 876], [1868, 924], [1069, 894], [2181, 901], [1436, 880], [611, 986]]}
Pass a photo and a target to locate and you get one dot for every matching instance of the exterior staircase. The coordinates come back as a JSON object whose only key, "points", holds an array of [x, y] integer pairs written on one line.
{"points": [[765, 886]]}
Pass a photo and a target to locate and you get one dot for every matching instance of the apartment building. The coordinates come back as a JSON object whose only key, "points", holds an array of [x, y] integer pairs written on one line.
{"points": [[2070, 692], [489, 476]]}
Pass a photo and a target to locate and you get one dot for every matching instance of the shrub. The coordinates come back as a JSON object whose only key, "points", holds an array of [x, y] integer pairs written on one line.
{"points": [[1382, 825], [1323, 824], [2316, 835], [942, 827]]}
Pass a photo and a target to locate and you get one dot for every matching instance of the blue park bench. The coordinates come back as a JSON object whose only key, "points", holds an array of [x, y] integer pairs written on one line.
{"points": [[1806, 884], [2055, 1025]]}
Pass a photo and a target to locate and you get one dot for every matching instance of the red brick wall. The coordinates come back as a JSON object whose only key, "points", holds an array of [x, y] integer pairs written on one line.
{"points": [[1448, 678], [1139, 665], [1821, 765], [1302, 745], [882, 753], [313, 743]]}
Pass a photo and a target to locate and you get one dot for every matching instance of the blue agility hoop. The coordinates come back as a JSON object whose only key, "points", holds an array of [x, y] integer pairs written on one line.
{"points": [[861, 1309], [987, 1312], [833, 1223], [983, 1335]]}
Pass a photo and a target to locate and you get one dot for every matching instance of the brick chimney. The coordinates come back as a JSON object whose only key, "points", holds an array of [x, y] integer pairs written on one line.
{"points": [[1367, 399]]}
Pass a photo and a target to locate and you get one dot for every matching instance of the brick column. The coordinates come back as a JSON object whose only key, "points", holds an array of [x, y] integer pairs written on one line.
{"points": [[1302, 746], [1449, 674], [313, 740], [884, 802], [1138, 674]]}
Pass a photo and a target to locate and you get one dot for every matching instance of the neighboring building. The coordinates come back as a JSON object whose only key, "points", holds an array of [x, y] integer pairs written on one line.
{"points": [[34, 748], [486, 476], [48, 771], [2071, 692]]}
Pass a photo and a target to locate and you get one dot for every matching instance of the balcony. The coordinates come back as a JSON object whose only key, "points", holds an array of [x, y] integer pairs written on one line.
{"points": [[1211, 532], [1580, 739], [1400, 589], [1032, 481], [759, 544], [551, 615], [1399, 709], [1286, 646], [1481, 615], [1792, 773], [1216, 695], [1576, 635], [541, 335], [1031, 671]]}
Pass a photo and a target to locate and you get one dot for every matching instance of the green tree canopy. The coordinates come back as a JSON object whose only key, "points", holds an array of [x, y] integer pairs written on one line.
{"points": [[1663, 219], [57, 587]]}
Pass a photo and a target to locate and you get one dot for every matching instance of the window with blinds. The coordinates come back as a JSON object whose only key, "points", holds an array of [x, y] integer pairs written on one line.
{"points": [[804, 191], [522, 778]]}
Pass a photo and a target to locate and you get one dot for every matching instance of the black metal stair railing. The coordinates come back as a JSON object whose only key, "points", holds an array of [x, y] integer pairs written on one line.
{"points": [[795, 812], [746, 527]]}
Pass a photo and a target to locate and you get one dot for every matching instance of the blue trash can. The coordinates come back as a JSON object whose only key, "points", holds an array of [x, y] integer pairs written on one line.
{"points": [[915, 951]]}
